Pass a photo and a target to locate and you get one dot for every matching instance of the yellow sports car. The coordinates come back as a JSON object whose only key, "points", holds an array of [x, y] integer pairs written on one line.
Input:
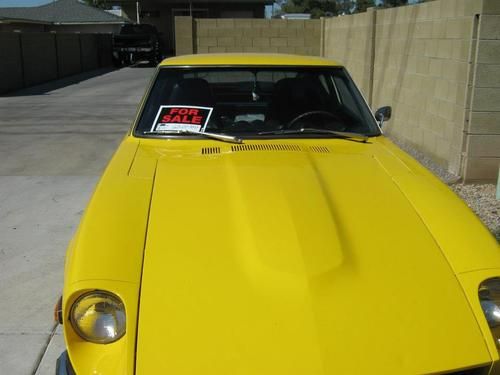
{"points": [[255, 221]]}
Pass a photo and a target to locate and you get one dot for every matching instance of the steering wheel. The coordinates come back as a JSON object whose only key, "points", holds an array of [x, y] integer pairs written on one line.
{"points": [[296, 119]]}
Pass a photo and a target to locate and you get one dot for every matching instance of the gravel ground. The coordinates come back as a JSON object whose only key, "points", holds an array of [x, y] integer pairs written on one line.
{"points": [[479, 197]]}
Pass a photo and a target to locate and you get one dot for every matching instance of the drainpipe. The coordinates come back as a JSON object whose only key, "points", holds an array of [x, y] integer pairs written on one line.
{"points": [[137, 13]]}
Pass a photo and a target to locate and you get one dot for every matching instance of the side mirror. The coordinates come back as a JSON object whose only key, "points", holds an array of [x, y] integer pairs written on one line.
{"points": [[383, 114]]}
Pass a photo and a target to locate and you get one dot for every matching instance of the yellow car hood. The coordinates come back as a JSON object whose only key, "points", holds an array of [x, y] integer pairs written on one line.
{"points": [[301, 260]]}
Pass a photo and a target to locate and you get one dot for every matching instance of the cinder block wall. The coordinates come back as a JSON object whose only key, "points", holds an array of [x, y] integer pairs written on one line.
{"points": [[68, 54], [300, 37], [89, 51], [39, 57], [438, 65], [422, 69], [184, 42], [349, 39], [105, 50], [28, 59], [482, 131], [11, 63]]}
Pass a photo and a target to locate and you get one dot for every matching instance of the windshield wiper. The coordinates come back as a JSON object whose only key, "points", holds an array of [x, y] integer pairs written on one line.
{"points": [[339, 134], [219, 137]]}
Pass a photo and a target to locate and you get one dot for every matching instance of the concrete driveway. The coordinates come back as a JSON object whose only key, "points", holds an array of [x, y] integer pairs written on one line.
{"points": [[55, 140]]}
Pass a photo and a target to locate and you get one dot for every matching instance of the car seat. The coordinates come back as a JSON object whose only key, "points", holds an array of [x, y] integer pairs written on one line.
{"points": [[294, 96], [192, 91]]}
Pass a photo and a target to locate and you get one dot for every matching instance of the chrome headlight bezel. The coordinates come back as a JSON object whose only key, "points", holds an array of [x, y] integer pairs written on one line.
{"points": [[106, 309], [489, 299]]}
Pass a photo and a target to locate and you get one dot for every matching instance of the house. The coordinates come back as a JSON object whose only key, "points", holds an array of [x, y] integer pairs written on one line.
{"points": [[61, 16]]}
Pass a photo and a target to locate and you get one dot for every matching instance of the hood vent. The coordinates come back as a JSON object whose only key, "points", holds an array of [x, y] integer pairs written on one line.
{"points": [[265, 147], [319, 149], [210, 150]]}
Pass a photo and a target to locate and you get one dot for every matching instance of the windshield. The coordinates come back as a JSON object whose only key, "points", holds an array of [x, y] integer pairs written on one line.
{"points": [[254, 102]]}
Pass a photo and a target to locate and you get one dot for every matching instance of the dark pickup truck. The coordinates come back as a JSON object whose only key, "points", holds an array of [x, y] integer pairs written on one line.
{"points": [[137, 43]]}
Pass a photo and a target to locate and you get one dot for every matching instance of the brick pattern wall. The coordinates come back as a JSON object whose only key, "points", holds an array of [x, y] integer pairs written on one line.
{"points": [[183, 35], [300, 37], [68, 58], [350, 40], [437, 64], [27, 59], [39, 57], [11, 62], [89, 51], [482, 132], [422, 69]]}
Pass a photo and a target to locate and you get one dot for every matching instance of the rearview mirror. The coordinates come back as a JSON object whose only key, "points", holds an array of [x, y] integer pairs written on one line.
{"points": [[383, 114]]}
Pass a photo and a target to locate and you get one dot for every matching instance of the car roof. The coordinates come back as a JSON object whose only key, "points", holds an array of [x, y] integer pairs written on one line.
{"points": [[262, 59]]}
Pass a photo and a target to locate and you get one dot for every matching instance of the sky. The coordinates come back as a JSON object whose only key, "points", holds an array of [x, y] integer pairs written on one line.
{"points": [[22, 3]]}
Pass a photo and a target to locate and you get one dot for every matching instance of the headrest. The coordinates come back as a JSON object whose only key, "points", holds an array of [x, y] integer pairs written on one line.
{"points": [[192, 91]]}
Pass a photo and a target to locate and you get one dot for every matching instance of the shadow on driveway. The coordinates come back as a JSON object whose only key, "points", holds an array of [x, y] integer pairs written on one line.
{"points": [[59, 83]]}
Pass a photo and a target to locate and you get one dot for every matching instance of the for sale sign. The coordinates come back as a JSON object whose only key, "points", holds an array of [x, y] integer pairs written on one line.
{"points": [[181, 117]]}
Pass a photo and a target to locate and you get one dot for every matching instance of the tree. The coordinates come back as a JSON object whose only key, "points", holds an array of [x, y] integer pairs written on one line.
{"points": [[320, 8], [345, 6], [394, 3], [97, 3], [317, 8], [363, 5]]}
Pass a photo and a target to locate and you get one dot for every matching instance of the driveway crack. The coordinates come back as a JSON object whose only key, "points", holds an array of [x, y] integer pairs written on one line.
{"points": [[45, 348]]}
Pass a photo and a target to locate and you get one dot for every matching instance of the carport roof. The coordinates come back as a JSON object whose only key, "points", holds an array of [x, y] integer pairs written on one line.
{"points": [[61, 12]]}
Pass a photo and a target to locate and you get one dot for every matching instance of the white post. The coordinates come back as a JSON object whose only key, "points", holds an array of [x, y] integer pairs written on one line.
{"points": [[137, 12]]}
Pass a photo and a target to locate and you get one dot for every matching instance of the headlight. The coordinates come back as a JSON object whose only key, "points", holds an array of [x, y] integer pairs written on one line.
{"points": [[489, 296], [98, 317]]}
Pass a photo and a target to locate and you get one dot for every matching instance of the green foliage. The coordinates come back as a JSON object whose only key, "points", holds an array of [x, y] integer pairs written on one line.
{"points": [[316, 8], [394, 3], [363, 5], [345, 6], [320, 8], [97, 3]]}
